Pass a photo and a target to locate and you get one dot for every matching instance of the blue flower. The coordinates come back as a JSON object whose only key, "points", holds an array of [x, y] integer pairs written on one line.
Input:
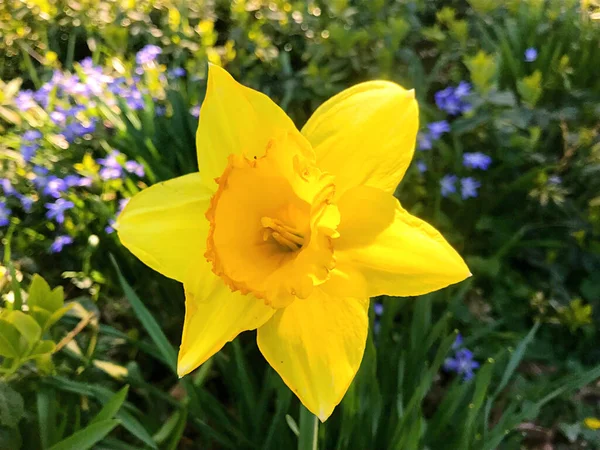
{"points": [[378, 309], [462, 89], [31, 135], [531, 54], [76, 180], [476, 160], [57, 209], [177, 72], [424, 141], [7, 186], [5, 213], [26, 202], [78, 129], [468, 187], [451, 99], [147, 54], [448, 185], [28, 150], [195, 111], [111, 167], [60, 242], [436, 129], [134, 167], [462, 364], [54, 186], [25, 101], [421, 166], [555, 179]]}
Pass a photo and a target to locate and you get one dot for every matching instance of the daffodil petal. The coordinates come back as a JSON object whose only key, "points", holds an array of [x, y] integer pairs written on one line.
{"points": [[365, 135], [383, 249], [234, 119], [214, 316], [164, 225], [316, 345]]}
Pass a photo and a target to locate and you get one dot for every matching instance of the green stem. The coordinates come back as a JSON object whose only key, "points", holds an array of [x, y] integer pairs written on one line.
{"points": [[309, 427]]}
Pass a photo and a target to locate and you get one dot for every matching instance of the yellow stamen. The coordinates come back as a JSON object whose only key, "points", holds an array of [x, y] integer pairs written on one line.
{"points": [[284, 235]]}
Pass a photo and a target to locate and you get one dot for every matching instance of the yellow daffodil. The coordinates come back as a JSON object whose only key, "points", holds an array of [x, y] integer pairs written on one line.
{"points": [[290, 232]]}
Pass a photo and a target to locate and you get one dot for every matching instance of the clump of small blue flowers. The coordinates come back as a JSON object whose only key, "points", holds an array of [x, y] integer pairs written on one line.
{"points": [[469, 187], [59, 243], [5, 213], [462, 363], [476, 160], [453, 99], [435, 130], [30, 144], [531, 54], [56, 211], [114, 163], [448, 184], [147, 54]]}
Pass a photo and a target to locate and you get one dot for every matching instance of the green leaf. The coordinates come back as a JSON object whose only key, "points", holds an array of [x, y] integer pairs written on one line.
{"points": [[9, 340], [151, 326], [42, 296], [112, 406], [26, 325], [46, 412], [42, 348], [88, 437], [11, 406]]}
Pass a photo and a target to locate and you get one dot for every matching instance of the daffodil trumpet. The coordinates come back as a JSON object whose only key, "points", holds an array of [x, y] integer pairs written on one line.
{"points": [[290, 232]]}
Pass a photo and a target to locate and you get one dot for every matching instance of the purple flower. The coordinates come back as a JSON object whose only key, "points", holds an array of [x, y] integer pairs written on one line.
{"points": [[111, 167], [468, 187], [378, 309], [111, 173], [177, 72], [25, 101], [554, 179], [448, 185], [421, 166], [60, 242], [76, 180], [78, 129], [424, 141], [54, 186], [147, 54], [134, 167], [31, 135], [531, 54], [476, 160], [462, 364], [447, 101], [458, 342], [26, 202], [7, 186], [462, 89], [5, 213], [195, 111], [160, 110], [438, 128], [451, 99], [28, 150], [57, 209]]}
